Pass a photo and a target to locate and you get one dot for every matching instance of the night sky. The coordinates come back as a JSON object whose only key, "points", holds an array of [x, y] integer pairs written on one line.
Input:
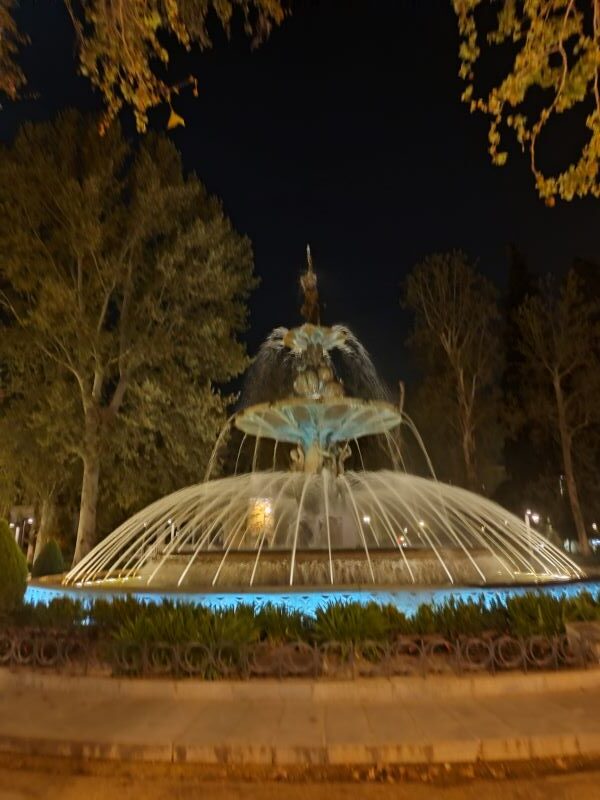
{"points": [[344, 130]]}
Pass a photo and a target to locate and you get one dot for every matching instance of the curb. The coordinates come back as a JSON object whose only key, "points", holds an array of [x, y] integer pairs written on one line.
{"points": [[436, 686], [234, 750], [448, 751]]}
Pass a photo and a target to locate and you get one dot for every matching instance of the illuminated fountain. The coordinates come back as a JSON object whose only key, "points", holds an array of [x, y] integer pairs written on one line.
{"points": [[312, 400]]}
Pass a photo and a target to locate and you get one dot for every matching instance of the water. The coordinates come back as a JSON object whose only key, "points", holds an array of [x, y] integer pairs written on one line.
{"points": [[298, 528], [317, 522], [308, 602]]}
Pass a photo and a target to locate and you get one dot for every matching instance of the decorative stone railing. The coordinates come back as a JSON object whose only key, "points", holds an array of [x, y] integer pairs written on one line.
{"points": [[82, 652]]}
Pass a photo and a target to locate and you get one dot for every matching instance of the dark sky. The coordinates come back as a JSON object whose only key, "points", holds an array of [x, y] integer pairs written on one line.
{"points": [[344, 130]]}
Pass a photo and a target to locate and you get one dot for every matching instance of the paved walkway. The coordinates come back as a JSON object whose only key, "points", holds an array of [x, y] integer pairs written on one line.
{"points": [[33, 784], [376, 721]]}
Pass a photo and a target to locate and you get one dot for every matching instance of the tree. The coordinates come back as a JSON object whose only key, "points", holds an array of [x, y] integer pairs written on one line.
{"points": [[38, 428], [554, 46], [456, 317], [12, 78], [127, 277], [560, 342], [122, 50], [522, 455], [168, 429]]}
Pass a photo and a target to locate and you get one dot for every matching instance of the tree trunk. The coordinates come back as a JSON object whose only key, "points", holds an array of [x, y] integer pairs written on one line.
{"points": [[86, 529], [565, 443], [468, 436], [469, 459], [48, 525]]}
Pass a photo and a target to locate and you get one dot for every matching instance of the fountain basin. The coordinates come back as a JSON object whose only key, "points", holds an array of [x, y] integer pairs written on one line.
{"points": [[309, 600], [304, 421], [383, 567]]}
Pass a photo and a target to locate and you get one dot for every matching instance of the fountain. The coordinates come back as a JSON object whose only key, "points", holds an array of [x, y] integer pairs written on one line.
{"points": [[299, 516]]}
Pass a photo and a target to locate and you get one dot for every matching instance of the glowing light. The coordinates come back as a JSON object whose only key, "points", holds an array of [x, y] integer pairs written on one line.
{"points": [[260, 516], [367, 519], [421, 523]]}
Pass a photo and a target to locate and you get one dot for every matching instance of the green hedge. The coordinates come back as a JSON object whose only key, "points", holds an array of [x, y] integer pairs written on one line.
{"points": [[128, 619], [49, 560], [13, 571]]}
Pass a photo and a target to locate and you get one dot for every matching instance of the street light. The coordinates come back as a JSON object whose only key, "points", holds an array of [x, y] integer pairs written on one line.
{"points": [[531, 516]]}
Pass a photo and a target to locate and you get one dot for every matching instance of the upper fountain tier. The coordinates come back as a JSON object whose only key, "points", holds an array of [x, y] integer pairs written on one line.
{"points": [[319, 421], [307, 401]]}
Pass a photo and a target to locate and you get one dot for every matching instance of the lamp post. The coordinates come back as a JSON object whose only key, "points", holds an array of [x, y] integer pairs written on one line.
{"points": [[531, 516]]}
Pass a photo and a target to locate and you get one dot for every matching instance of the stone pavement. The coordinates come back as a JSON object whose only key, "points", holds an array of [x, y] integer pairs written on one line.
{"points": [[409, 720], [35, 784]]}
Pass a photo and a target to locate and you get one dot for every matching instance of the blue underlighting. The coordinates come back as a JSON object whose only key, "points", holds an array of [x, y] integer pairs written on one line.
{"points": [[309, 601]]}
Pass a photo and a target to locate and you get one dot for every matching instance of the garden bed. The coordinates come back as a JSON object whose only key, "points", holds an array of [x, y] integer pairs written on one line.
{"points": [[343, 640]]}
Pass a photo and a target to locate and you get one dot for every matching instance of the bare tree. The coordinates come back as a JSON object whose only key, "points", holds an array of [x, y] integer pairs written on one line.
{"points": [[456, 317], [560, 339]]}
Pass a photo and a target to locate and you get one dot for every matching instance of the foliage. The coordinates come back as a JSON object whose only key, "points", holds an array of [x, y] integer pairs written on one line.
{"points": [[61, 612], [36, 460], [13, 570], [456, 618], [128, 281], [166, 622], [12, 78], [532, 614], [456, 335], [49, 561], [108, 615], [277, 624], [122, 50], [554, 46], [128, 620], [353, 623]]}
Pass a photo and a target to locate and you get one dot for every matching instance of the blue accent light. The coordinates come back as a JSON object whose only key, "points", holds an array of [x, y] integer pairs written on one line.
{"points": [[309, 601]]}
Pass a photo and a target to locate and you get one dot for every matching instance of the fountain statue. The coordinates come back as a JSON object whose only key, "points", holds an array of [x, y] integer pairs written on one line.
{"points": [[312, 398]]}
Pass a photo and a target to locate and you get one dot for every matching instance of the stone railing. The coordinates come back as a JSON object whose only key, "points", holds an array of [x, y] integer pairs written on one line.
{"points": [[82, 651]]}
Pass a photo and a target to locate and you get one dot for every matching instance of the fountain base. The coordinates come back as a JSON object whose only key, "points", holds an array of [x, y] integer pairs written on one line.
{"points": [[411, 567]]}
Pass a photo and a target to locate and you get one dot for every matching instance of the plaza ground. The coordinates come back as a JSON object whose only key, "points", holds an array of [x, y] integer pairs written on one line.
{"points": [[513, 735], [44, 781], [438, 719]]}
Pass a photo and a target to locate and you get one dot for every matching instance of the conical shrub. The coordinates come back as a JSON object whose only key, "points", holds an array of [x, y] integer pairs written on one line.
{"points": [[13, 570], [49, 560]]}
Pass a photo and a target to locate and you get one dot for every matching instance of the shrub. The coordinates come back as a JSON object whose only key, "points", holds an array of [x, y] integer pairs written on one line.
{"points": [[49, 560], [581, 608], [13, 571], [61, 612], [351, 622], [277, 624], [108, 615], [457, 617], [535, 613]]}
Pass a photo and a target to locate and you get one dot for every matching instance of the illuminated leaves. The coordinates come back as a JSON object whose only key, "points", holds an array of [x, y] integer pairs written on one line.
{"points": [[122, 45], [11, 76], [175, 121], [556, 45]]}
